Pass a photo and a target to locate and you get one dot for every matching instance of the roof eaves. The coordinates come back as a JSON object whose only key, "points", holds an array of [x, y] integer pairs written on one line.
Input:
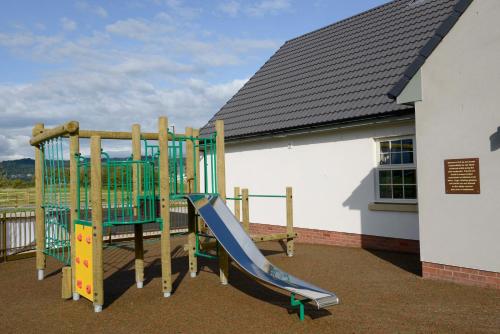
{"points": [[429, 47], [399, 113]]}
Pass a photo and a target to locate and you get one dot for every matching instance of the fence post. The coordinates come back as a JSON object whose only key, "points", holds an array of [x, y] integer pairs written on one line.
{"points": [[193, 263], [196, 134], [39, 210], [138, 229], [96, 198], [74, 150], [221, 188], [3, 221], [289, 222], [166, 261], [237, 204], [246, 210]]}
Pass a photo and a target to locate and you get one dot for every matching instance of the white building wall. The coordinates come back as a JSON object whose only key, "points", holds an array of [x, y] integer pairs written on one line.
{"points": [[458, 114], [332, 175]]}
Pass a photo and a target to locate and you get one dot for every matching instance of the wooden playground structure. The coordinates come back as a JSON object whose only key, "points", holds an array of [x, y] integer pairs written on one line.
{"points": [[77, 197]]}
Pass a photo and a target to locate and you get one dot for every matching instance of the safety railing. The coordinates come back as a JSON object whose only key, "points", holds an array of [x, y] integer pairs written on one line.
{"points": [[120, 205], [204, 165]]}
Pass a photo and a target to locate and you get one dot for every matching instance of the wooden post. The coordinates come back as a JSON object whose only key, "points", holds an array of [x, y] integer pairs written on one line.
{"points": [[193, 263], [246, 210], [237, 204], [74, 149], [96, 202], [196, 134], [166, 262], [221, 188], [289, 221], [3, 221], [39, 210], [66, 283], [136, 190]]}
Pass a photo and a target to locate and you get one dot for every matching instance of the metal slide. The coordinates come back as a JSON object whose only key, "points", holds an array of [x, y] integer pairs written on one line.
{"points": [[243, 251]]}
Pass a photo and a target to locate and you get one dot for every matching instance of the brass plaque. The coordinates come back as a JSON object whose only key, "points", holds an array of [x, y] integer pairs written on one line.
{"points": [[462, 176]]}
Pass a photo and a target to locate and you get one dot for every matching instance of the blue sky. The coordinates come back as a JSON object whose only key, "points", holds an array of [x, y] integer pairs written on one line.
{"points": [[109, 64]]}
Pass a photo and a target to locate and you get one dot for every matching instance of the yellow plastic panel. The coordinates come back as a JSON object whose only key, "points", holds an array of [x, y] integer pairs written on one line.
{"points": [[83, 258]]}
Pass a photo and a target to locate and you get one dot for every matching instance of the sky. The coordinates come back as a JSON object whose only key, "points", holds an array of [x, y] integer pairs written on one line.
{"points": [[109, 64]]}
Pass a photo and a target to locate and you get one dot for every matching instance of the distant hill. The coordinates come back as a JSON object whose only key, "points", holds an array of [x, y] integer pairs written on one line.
{"points": [[21, 169]]}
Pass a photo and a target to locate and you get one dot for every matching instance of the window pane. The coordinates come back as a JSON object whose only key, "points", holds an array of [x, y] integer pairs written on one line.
{"points": [[397, 177], [407, 144], [398, 191], [385, 192], [395, 158], [384, 147], [410, 176], [385, 159], [396, 146], [407, 157], [411, 192], [384, 177]]}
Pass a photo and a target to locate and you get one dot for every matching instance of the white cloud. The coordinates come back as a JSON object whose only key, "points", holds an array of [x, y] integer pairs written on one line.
{"points": [[96, 10], [67, 24], [259, 8], [131, 71], [105, 101], [101, 11], [268, 6], [231, 8], [131, 28], [14, 147], [180, 9]]}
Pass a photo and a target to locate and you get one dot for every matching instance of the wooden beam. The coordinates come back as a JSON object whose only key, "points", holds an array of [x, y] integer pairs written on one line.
{"points": [[271, 237], [136, 189], [166, 261], [193, 263], [246, 210], [221, 188], [46, 134], [255, 238], [120, 135], [289, 221], [96, 204], [39, 211], [74, 150], [196, 134], [237, 204]]}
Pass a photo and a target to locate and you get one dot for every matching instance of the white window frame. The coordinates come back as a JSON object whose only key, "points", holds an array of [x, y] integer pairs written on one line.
{"points": [[394, 167]]}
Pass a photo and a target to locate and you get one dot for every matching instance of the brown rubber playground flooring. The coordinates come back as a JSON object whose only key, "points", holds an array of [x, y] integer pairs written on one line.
{"points": [[380, 292]]}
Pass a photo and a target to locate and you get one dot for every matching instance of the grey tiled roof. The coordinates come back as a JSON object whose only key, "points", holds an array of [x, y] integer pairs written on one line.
{"points": [[346, 71]]}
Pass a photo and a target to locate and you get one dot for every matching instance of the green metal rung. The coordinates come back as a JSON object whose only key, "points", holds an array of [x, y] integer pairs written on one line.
{"points": [[268, 196], [208, 256]]}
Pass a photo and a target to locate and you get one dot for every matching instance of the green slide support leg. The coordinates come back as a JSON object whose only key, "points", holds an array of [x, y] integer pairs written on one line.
{"points": [[298, 303]]}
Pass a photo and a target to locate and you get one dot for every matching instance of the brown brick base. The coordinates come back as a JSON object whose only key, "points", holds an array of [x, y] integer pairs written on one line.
{"points": [[312, 236], [461, 275]]}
